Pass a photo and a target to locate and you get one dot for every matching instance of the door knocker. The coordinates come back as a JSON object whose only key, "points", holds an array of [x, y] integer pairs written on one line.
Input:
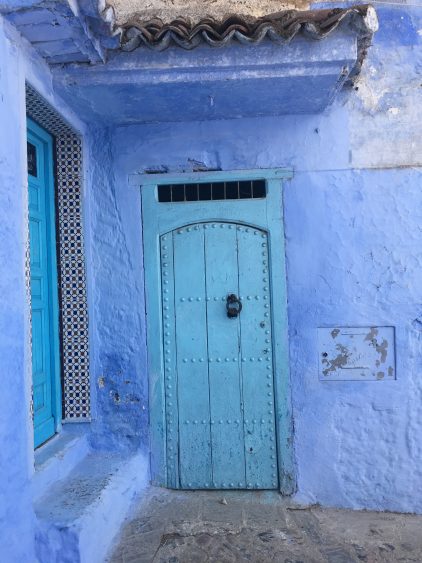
{"points": [[233, 306]]}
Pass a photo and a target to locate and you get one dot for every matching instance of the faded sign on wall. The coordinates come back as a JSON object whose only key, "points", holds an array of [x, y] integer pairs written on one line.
{"points": [[358, 354]]}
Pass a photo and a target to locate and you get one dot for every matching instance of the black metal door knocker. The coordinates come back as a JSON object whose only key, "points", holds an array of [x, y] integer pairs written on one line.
{"points": [[233, 306]]}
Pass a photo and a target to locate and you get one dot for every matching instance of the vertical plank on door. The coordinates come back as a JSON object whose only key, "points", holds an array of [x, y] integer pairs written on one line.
{"points": [[169, 355], [192, 367], [257, 368], [228, 457]]}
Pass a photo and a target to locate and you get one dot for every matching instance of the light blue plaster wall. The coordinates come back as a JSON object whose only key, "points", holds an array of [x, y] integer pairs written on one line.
{"points": [[354, 259], [118, 354], [18, 62], [353, 242], [15, 427], [15, 424], [353, 236]]}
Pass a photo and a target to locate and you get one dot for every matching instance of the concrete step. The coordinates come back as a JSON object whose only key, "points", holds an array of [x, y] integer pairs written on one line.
{"points": [[80, 516], [58, 457]]}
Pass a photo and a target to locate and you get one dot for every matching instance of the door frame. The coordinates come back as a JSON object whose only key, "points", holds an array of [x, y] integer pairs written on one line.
{"points": [[229, 211], [47, 140]]}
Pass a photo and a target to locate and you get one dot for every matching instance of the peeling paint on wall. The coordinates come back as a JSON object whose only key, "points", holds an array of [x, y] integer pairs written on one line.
{"points": [[387, 130], [356, 354]]}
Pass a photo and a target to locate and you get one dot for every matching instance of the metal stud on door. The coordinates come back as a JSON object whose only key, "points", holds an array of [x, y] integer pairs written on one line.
{"points": [[218, 360]]}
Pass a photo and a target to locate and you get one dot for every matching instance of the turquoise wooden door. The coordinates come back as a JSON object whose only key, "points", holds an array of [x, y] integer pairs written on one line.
{"points": [[44, 300], [220, 411], [222, 433]]}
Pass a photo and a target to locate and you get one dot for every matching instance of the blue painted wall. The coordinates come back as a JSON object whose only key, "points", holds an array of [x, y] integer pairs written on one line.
{"points": [[18, 62], [15, 425], [352, 226], [353, 243], [119, 387]]}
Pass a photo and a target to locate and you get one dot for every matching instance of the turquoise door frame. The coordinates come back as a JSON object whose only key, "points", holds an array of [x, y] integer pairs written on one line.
{"points": [[265, 214], [44, 285]]}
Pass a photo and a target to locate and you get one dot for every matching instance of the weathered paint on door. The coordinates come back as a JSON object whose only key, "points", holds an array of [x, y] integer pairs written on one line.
{"points": [[220, 416], [220, 411], [44, 301]]}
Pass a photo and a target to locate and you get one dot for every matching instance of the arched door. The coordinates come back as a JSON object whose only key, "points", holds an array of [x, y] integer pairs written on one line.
{"points": [[218, 357]]}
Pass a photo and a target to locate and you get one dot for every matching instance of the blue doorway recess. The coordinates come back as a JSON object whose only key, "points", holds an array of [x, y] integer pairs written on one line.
{"points": [[217, 330], [44, 287]]}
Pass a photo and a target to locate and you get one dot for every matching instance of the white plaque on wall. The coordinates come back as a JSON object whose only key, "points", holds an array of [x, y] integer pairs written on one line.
{"points": [[356, 353]]}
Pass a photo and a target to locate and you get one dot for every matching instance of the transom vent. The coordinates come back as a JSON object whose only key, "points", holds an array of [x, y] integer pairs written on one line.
{"points": [[215, 191]]}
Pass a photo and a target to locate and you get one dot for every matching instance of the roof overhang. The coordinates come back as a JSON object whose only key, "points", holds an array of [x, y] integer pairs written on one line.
{"points": [[291, 62], [280, 28]]}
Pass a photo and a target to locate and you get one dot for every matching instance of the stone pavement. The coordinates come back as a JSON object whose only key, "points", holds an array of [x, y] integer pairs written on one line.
{"points": [[229, 526]]}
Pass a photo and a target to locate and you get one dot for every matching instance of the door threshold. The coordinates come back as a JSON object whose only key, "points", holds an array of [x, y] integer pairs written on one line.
{"points": [[57, 457]]}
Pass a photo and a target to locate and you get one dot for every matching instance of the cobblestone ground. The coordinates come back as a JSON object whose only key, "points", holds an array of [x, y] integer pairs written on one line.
{"points": [[225, 527]]}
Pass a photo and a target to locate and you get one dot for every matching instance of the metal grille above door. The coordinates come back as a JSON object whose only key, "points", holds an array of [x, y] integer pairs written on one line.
{"points": [[177, 193]]}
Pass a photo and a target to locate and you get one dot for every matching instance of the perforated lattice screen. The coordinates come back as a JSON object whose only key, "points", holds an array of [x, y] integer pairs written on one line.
{"points": [[71, 256]]}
